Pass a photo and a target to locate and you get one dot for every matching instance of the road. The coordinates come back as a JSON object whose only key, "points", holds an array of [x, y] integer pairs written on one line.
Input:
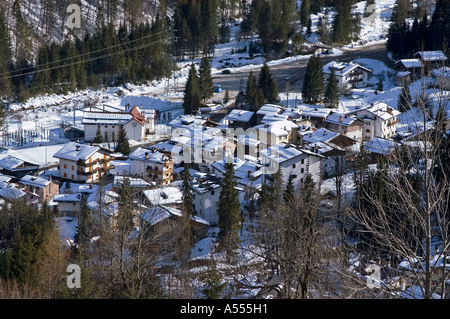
{"points": [[296, 69]]}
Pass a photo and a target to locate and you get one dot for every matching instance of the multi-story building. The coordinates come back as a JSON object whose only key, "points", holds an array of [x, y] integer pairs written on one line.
{"points": [[380, 120], [348, 75], [82, 163], [133, 121], [152, 165], [349, 126], [39, 187]]}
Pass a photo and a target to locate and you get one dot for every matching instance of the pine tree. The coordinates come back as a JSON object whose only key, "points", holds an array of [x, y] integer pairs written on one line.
{"points": [[331, 98], [380, 85], [289, 191], [192, 94], [98, 136], [264, 80], [5, 56], [228, 210], [305, 12], [123, 145], [253, 95], [312, 90], [205, 80], [342, 25], [273, 97]]}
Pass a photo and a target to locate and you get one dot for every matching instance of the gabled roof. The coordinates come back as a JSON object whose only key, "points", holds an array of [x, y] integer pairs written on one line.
{"points": [[431, 56], [153, 156], [75, 152], [113, 118], [277, 128], [380, 145], [341, 119], [320, 135], [240, 116], [410, 63], [34, 181], [342, 68], [164, 195]]}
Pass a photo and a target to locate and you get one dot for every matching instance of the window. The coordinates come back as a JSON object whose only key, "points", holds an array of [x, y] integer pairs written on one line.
{"points": [[302, 170], [303, 161], [65, 174], [73, 168], [293, 165], [212, 192], [294, 176], [65, 165], [367, 131]]}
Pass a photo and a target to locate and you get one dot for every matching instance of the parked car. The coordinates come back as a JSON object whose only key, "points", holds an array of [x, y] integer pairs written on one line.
{"points": [[226, 71]]}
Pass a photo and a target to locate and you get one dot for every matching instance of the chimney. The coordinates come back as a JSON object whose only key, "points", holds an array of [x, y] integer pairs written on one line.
{"points": [[78, 148], [341, 119], [249, 172], [325, 133], [146, 155]]}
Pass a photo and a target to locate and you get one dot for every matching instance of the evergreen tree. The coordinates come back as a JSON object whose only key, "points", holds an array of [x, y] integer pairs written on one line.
{"points": [[83, 235], [205, 80], [404, 99], [342, 26], [188, 197], [192, 94], [214, 287], [331, 97], [380, 85], [98, 136], [123, 145], [5, 56], [228, 210], [305, 12], [273, 97], [312, 89], [289, 191]]}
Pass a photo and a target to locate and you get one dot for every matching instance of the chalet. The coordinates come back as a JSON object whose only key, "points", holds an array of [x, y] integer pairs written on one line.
{"points": [[170, 196], [16, 167], [68, 204], [379, 147], [293, 161], [380, 120], [153, 166], [348, 75], [206, 192], [349, 126], [324, 135], [36, 186], [277, 132], [83, 163], [442, 77], [133, 121], [161, 219]]}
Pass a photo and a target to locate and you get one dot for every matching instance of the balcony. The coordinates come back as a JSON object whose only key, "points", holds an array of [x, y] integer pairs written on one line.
{"points": [[86, 164], [87, 173]]}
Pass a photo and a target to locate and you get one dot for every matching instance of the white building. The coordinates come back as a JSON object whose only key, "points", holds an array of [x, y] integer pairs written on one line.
{"points": [[277, 132], [348, 74], [292, 161], [349, 126], [380, 120], [153, 166], [133, 121], [83, 163]]}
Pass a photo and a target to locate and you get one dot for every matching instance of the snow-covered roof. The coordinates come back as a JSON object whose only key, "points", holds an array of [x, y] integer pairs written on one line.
{"points": [[34, 181], [443, 72], [113, 118], [159, 213], [432, 56], [9, 162], [242, 169], [164, 195], [316, 112], [277, 128], [75, 151], [380, 146], [67, 198], [383, 111], [410, 63], [11, 192], [320, 135], [240, 116], [205, 184], [134, 182], [342, 68], [153, 156], [341, 119], [271, 108], [283, 152]]}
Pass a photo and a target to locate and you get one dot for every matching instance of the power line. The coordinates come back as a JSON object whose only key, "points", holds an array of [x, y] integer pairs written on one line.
{"points": [[85, 61], [80, 55]]}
